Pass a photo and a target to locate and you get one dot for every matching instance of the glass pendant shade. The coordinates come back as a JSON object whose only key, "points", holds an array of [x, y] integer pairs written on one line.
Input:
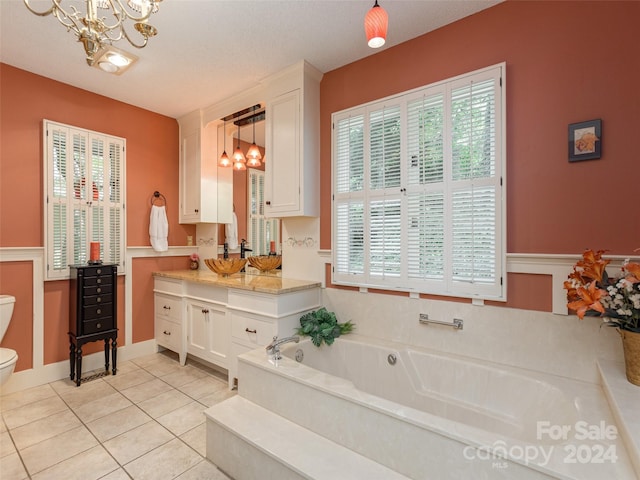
{"points": [[254, 152], [238, 156], [239, 166], [253, 162], [224, 161], [375, 26]]}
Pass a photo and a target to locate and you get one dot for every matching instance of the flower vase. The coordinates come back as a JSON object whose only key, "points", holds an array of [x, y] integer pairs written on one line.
{"points": [[194, 265], [631, 348]]}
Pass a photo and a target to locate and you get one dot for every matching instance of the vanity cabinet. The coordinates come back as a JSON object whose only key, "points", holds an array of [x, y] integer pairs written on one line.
{"points": [[292, 171], [170, 329], [203, 187], [209, 332]]}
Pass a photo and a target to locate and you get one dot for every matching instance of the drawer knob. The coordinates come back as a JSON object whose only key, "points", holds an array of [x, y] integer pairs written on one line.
{"points": [[98, 281], [250, 331], [99, 325], [205, 310], [98, 311], [99, 299], [99, 271], [99, 290], [166, 333], [166, 307]]}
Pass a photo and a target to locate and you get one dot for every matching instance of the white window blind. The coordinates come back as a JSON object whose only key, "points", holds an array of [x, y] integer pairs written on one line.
{"points": [[262, 230], [84, 193], [419, 191]]}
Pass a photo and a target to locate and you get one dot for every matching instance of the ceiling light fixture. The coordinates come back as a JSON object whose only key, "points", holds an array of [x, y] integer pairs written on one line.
{"points": [[94, 30], [253, 154], [375, 26], [238, 157], [224, 160], [113, 60]]}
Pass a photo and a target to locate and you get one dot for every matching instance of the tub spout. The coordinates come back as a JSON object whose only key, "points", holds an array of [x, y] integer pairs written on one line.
{"points": [[274, 347]]}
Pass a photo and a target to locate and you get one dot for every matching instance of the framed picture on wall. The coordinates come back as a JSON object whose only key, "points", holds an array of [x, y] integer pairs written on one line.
{"points": [[585, 140]]}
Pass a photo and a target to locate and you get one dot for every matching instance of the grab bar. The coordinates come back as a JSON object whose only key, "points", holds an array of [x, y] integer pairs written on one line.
{"points": [[457, 323]]}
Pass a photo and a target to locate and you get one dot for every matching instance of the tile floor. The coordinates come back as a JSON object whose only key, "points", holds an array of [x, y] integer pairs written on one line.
{"points": [[146, 422]]}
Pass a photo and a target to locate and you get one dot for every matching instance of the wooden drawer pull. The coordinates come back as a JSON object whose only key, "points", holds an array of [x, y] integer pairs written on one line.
{"points": [[250, 331]]}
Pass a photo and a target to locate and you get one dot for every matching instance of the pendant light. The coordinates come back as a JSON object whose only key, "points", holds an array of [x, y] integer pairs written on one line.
{"points": [[253, 154], [238, 156], [224, 160], [375, 26]]}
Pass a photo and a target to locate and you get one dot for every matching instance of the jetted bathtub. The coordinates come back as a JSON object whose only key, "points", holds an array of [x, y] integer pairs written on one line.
{"points": [[430, 415]]}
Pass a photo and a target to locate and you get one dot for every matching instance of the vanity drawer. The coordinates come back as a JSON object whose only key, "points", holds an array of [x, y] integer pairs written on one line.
{"points": [[168, 334], [251, 330], [168, 307]]}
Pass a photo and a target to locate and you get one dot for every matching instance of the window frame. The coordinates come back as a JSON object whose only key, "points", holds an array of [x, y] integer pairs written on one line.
{"points": [[341, 198], [92, 198]]}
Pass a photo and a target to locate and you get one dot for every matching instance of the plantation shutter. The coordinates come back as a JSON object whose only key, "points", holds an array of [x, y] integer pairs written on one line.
{"points": [[84, 197], [262, 230], [418, 196]]}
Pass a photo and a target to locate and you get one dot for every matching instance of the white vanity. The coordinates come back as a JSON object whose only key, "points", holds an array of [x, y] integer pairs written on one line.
{"points": [[218, 318]]}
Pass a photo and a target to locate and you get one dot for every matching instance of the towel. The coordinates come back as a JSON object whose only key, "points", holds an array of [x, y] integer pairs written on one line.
{"points": [[231, 232], [159, 229]]}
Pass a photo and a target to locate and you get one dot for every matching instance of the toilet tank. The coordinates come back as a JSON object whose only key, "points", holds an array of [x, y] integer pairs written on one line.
{"points": [[6, 310]]}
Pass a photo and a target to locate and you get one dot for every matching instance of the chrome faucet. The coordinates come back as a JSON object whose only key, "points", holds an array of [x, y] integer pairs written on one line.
{"points": [[274, 347]]}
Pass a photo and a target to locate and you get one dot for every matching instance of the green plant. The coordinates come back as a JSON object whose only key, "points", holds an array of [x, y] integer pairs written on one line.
{"points": [[322, 326]]}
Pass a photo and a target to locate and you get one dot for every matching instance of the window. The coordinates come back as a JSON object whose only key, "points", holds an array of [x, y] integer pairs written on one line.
{"points": [[84, 194], [261, 230], [418, 189]]}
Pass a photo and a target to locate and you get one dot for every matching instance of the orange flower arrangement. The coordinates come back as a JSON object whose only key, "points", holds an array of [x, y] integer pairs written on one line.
{"points": [[590, 291]]}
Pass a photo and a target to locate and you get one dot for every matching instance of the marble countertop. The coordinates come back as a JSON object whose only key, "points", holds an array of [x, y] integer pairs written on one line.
{"points": [[265, 283]]}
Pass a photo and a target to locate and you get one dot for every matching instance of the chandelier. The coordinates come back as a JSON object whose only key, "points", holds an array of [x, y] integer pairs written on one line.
{"points": [[99, 23]]}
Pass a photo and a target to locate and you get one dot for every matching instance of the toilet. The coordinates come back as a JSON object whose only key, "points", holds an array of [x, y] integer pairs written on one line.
{"points": [[8, 357]]}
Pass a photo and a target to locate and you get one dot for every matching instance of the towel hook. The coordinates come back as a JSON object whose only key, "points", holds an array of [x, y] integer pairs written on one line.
{"points": [[157, 196]]}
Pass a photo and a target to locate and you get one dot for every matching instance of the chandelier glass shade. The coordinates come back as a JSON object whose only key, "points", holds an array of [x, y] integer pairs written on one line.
{"points": [[100, 23], [253, 154], [375, 26], [224, 160], [238, 155]]}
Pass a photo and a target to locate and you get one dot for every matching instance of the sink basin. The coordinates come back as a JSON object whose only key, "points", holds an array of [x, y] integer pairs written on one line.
{"points": [[265, 263], [225, 266]]}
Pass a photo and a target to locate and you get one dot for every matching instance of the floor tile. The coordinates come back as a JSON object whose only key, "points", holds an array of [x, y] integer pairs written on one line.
{"points": [[130, 379], [196, 438], [45, 454], [202, 387], [126, 367], [12, 468], [165, 462], [90, 465], [85, 393], [102, 407], [164, 403], [45, 428], [116, 423], [119, 474], [6, 445], [205, 470], [217, 397], [146, 390], [33, 411], [189, 374], [24, 397], [183, 419], [138, 441], [160, 369]]}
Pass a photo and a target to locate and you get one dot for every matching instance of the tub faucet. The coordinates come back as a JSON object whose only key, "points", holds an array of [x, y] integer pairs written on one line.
{"points": [[274, 347]]}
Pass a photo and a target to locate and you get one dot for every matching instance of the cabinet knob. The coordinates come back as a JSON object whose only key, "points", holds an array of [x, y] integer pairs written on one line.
{"points": [[99, 290], [196, 210], [166, 333], [98, 281], [99, 299], [166, 307], [99, 271], [99, 325], [205, 310], [250, 331], [268, 202], [98, 311]]}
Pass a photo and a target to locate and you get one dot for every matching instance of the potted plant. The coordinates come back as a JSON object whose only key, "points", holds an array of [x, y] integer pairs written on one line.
{"points": [[322, 326], [591, 292]]}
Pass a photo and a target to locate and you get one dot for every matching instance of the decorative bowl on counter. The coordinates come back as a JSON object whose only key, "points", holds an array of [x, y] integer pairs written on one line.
{"points": [[225, 266], [266, 263]]}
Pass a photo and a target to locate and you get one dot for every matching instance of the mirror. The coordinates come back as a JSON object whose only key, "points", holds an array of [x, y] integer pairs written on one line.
{"points": [[248, 190]]}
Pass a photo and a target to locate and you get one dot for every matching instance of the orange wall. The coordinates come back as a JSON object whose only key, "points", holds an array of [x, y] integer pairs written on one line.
{"points": [[566, 62], [152, 150]]}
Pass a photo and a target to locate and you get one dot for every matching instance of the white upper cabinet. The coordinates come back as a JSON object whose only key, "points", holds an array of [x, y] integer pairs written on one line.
{"points": [[292, 150], [203, 186]]}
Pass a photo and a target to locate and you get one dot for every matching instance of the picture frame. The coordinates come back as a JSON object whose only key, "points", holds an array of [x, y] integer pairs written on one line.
{"points": [[585, 140]]}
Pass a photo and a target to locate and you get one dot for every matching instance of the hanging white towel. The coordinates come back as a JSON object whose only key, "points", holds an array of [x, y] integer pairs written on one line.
{"points": [[159, 229], [231, 232]]}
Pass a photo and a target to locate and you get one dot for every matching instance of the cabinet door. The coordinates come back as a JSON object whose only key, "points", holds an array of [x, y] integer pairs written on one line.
{"points": [[209, 334], [198, 333], [282, 188], [219, 336], [190, 177]]}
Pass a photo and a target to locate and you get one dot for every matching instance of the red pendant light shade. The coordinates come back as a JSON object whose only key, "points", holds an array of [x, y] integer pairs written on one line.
{"points": [[375, 26]]}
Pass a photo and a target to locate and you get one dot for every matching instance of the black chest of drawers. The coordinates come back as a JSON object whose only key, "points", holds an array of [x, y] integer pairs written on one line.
{"points": [[92, 313]]}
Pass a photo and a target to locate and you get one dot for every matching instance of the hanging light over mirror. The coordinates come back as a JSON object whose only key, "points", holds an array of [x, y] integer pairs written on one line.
{"points": [[253, 154], [238, 156], [224, 160], [375, 26]]}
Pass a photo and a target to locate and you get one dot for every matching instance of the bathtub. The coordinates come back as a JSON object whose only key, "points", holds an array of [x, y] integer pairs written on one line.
{"points": [[432, 415]]}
